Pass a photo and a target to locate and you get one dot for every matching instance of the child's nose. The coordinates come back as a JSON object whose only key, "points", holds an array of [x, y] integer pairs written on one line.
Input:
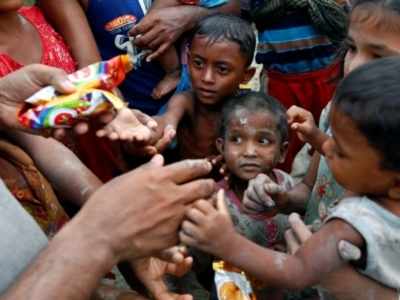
{"points": [[208, 75], [250, 150]]}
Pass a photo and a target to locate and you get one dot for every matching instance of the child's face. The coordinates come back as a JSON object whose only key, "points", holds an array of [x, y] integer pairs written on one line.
{"points": [[252, 144], [367, 41], [353, 162], [10, 5], [216, 69]]}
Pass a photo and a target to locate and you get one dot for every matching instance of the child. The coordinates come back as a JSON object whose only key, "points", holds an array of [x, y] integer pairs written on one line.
{"points": [[298, 48], [363, 156], [252, 140], [373, 33], [220, 56]]}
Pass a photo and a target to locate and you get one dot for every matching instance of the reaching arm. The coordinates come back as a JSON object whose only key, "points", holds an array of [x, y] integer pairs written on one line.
{"points": [[60, 166], [315, 259], [70, 21]]}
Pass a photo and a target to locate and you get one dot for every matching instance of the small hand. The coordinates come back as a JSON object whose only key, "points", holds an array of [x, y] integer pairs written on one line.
{"points": [[302, 122], [208, 228], [126, 127], [263, 195]]}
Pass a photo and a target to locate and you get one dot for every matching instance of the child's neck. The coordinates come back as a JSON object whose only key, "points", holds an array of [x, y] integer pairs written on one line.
{"points": [[238, 186]]}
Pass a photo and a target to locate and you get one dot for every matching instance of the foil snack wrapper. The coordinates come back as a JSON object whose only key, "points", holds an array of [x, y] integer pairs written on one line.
{"points": [[232, 283], [94, 83]]}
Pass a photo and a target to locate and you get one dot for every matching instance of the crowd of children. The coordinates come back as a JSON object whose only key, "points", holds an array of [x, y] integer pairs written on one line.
{"points": [[350, 191]]}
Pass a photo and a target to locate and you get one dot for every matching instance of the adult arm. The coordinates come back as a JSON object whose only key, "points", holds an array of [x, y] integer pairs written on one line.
{"points": [[134, 215], [162, 26], [51, 156], [70, 21]]}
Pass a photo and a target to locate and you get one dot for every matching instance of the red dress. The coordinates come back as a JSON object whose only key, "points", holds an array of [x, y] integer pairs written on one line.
{"points": [[99, 155]]}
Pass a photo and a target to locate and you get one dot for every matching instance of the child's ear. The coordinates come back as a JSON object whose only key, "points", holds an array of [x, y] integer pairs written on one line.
{"points": [[284, 150], [394, 191], [219, 143], [248, 74]]}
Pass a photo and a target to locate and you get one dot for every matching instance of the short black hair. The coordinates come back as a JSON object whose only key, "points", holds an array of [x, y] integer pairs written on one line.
{"points": [[255, 102], [370, 96], [224, 27]]}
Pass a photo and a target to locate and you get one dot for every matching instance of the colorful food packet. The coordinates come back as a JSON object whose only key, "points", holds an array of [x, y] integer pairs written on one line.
{"points": [[232, 283], [94, 83]]}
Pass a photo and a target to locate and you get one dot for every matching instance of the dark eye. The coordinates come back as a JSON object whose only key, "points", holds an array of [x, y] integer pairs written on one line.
{"points": [[222, 70], [197, 63], [264, 141], [235, 139]]}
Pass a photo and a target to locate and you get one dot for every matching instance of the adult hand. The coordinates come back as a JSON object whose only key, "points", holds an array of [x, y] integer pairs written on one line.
{"points": [[16, 87], [140, 212], [161, 27], [151, 271], [263, 194]]}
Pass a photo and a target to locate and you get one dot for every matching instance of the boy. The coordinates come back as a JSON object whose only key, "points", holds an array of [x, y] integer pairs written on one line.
{"points": [[220, 56]]}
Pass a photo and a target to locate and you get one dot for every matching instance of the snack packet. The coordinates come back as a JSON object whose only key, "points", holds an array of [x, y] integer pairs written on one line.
{"points": [[49, 109], [231, 283]]}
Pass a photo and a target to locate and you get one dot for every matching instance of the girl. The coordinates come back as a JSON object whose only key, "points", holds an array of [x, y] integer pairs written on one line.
{"points": [[363, 155], [252, 140], [373, 33]]}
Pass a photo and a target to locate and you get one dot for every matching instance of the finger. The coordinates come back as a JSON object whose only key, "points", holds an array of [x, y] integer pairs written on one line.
{"points": [[157, 161], [139, 29], [250, 206], [221, 204], [145, 39], [106, 118], [156, 53], [155, 44], [273, 188], [205, 207], [300, 229], [145, 119], [44, 75], [81, 128], [195, 215], [190, 229], [166, 139], [348, 251], [59, 133], [292, 243], [187, 170], [186, 239]]}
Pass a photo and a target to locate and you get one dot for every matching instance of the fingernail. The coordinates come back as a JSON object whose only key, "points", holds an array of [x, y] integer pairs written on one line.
{"points": [[67, 84], [348, 251]]}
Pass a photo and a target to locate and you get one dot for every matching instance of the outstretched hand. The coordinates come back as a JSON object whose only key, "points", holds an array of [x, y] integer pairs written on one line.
{"points": [[127, 126], [145, 207], [207, 227], [263, 195]]}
